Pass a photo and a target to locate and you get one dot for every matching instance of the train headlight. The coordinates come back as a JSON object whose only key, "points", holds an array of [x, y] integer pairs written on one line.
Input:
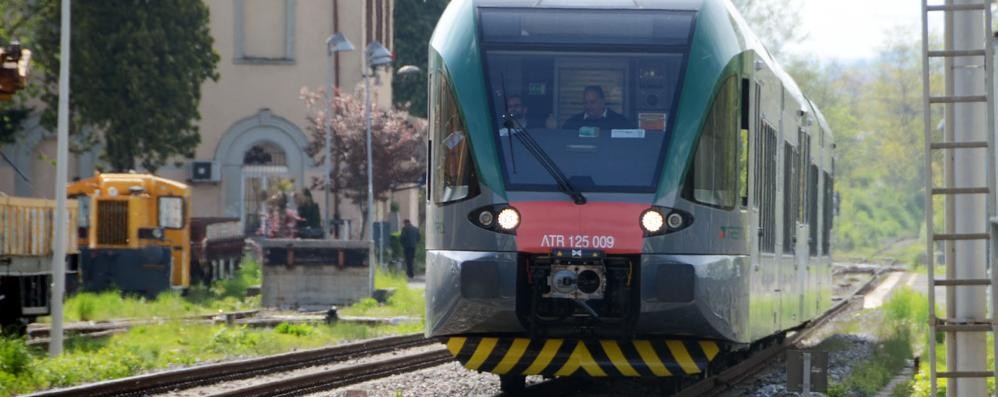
{"points": [[674, 221], [652, 221], [499, 218], [485, 218], [509, 219], [660, 220], [171, 212]]}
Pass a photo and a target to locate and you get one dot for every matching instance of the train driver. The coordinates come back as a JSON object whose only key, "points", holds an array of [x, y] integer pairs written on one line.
{"points": [[516, 111], [595, 113]]}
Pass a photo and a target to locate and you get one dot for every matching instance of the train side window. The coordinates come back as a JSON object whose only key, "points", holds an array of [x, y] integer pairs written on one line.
{"points": [[768, 189], [743, 166], [713, 178], [812, 209], [453, 173], [827, 197], [791, 196]]}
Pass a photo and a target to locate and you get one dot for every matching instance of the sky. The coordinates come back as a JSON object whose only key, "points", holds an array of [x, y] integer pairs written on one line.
{"points": [[850, 30]]}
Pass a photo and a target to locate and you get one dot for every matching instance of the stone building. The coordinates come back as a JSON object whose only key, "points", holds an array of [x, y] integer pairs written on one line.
{"points": [[253, 127]]}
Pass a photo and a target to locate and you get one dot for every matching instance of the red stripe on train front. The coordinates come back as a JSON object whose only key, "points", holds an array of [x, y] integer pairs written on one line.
{"points": [[608, 226]]}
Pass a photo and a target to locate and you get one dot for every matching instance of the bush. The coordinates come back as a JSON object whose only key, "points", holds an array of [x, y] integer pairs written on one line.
{"points": [[234, 341], [14, 356], [85, 307], [294, 329]]}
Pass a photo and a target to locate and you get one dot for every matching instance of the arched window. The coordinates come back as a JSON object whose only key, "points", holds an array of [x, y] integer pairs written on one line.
{"points": [[265, 153]]}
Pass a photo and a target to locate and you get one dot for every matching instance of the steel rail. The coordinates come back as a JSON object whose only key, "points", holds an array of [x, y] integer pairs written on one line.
{"points": [[736, 374], [232, 370], [335, 378]]}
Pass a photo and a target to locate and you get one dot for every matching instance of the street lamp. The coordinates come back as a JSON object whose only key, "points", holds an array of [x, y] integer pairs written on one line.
{"points": [[335, 43], [376, 55]]}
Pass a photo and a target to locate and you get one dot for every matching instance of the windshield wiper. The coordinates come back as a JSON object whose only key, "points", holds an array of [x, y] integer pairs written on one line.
{"points": [[542, 157]]}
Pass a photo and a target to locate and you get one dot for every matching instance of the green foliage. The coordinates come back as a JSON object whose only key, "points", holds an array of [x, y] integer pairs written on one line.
{"points": [[871, 376], [249, 274], [171, 344], [238, 340], [85, 306], [14, 356], [773, 21], [404, 302], [294, 329], [905, 319], [148, 57], [874, 110], [223, 295], [414, 23]]}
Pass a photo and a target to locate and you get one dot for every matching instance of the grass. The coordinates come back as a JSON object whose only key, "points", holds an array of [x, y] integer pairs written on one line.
{"points": [[404, 302], [176, 343], [223, 295], [144, 348], [905, 320]]}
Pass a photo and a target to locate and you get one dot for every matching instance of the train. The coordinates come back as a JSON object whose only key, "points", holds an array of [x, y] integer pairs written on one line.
{"points": [[136, 235], [622, 188], [27, 232], [133, 232]]}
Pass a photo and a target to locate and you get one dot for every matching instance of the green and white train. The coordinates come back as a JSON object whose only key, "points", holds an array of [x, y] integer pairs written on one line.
{"points": [[618, 188]]}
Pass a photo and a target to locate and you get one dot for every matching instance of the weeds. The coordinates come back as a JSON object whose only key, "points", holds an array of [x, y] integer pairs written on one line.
{"points": [[404, 302], [905, 318], [173, 344], [176, 343], [294, 329]]}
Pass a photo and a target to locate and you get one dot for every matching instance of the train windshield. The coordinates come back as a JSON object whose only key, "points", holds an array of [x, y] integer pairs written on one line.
{"points": [[594, 90]]}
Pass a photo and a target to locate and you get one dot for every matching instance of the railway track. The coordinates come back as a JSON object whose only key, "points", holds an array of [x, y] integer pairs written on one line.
{"points": [[168, 381], [341, 377], [735, 374]]}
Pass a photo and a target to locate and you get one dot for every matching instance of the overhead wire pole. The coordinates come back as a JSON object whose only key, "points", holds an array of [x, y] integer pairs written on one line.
{"points": [[969, 101], [60, 227]]}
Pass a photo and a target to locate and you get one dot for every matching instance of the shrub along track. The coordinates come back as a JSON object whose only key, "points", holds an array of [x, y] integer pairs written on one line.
{"points": [[227, 371]]}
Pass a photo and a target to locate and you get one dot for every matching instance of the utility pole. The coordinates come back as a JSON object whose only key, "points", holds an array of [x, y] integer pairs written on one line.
{"points": [[61, 226], [969, 124]]}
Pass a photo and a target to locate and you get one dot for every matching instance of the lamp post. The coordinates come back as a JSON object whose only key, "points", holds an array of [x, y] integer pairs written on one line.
{"points": [[376, 55], [336, 43]]}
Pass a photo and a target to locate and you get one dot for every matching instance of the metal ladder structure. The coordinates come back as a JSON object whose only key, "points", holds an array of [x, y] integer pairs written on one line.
{"points": [[959, 57]]}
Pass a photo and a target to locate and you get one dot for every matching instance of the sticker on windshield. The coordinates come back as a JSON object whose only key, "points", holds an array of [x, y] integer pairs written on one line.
{"points": [[588, 132], [652, 121], [627, 133]]}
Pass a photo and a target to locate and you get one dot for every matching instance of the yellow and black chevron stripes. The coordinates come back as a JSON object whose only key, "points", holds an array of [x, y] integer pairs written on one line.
{"points": [[595, 358]]}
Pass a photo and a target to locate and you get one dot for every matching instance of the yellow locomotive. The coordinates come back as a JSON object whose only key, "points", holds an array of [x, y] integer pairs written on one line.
{"points": [[134, 232]]}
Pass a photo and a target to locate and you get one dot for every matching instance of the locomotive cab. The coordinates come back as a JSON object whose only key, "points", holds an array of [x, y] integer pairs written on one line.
{"points": [[595, 170], [134, 233]]}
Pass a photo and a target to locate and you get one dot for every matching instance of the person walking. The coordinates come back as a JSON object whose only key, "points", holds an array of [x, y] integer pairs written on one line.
{"points": [[409, 238]]}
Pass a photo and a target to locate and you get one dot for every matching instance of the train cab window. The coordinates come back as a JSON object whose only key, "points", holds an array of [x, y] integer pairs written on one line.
{"points": [[596, 106], [453, 172], [713, 176]]}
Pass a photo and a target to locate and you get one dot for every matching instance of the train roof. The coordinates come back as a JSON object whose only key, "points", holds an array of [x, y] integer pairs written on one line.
{"points": [[690, 5], [148, 182]]}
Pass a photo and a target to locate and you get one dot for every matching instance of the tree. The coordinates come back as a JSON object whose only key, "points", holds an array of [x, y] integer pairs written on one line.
{"points": [[19, 21], [414, 23], [773, 21], [136, 75], [398, 148]]}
